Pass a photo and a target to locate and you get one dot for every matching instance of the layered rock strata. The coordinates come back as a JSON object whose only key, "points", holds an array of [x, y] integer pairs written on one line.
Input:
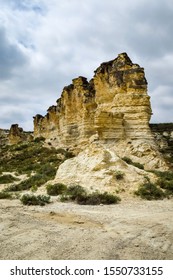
{"points": [[113, 106], [16, 135]]}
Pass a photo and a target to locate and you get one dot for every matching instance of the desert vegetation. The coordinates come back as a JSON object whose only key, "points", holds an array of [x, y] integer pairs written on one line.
{"points": [[163, 188], [136, 164], [39, 163], [78, 194], [30, 199]]}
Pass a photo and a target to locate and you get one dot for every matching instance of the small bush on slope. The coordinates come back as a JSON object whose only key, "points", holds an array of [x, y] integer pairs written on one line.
{"points": [[30, 199], [5, 195], [79, 194], [136, 164], [165, 181], [119, 175], [56, 189], [150, 191], [97, 198], [7, 178]]}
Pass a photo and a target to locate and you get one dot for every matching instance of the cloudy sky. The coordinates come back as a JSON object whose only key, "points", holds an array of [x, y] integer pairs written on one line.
{"points": [[44, 44]]}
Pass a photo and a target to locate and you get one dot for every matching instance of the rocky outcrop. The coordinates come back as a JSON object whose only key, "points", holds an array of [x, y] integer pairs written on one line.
{"points": [[113, 106], [16, 135], [96, 167], [163, 135]]}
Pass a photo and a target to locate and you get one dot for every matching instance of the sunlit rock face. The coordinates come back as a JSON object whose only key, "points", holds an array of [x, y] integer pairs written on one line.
{"points": [[113, 106]]}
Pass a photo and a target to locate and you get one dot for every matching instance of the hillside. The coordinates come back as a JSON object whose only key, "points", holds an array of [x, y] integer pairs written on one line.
{"points": [[96, 146]]}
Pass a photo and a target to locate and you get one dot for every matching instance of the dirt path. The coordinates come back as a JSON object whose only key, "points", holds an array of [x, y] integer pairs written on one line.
{"points": [[133, 229]]}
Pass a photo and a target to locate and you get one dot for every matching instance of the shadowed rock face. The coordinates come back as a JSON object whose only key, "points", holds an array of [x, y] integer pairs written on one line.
{"points": [[113, 106], [16, 135], [163, 135]]}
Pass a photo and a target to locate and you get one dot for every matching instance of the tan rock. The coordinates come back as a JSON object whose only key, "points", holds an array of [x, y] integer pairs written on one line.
{"points": [[95, 169], [113, 108], [114, 105], [16, 135]]}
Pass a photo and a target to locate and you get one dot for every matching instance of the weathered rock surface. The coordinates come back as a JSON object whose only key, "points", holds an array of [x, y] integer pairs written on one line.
{"points": [[163, 135], [111, 109], [95, 169], [113, 106], [16, 135]]}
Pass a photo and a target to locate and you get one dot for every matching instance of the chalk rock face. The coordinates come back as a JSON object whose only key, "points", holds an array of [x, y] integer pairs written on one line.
{"points": [[113, 106], [96, 167], [16, 135]]}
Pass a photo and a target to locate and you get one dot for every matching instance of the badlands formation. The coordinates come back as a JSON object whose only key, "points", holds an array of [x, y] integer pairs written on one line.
{"points": [[105, 124], [101, 122]]}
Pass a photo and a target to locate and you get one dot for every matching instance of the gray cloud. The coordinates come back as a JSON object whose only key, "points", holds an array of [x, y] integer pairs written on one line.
{"points": [[51, 42], [10, 57]]}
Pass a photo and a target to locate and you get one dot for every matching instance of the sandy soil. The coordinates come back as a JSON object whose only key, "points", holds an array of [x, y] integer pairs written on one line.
{"points": [[133, 229]]}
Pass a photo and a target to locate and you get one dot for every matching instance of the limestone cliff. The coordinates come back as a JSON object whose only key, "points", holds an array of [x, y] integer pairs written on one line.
{"points": [[113, 106], [112, 110], [16, 135]]}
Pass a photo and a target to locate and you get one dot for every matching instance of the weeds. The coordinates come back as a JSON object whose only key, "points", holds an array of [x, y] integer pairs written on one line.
{"points": [[8, 178], [150, 191], [30, 199], [5, 195], [136, 164], [97, 198], [165, 181], [56, 189], [119, 175], [79, 195], [73, 192]]}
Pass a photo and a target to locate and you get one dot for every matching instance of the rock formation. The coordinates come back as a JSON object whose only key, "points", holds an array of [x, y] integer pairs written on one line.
{"points": [[163, 135], [102, 121], [113, 106], [16, 135]]}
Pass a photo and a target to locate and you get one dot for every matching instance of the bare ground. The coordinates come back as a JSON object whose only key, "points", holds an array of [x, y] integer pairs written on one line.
{"points": [[133, 229]]}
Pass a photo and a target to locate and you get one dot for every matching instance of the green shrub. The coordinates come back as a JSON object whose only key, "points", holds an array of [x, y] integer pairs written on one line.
{"points": [[30, 199], [167, 175], [119, 175], [75, 191], [127, 160], [64, 198], [8, 178], [97, 198], [46, 173], [5, 195], [150, 191], [39, 139], [48, 170], [20, 147], [165, 181], [136, 164], [165, 184], [27, 157], [56, 189], [34, 188], [12, 188], [79, 194]]}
